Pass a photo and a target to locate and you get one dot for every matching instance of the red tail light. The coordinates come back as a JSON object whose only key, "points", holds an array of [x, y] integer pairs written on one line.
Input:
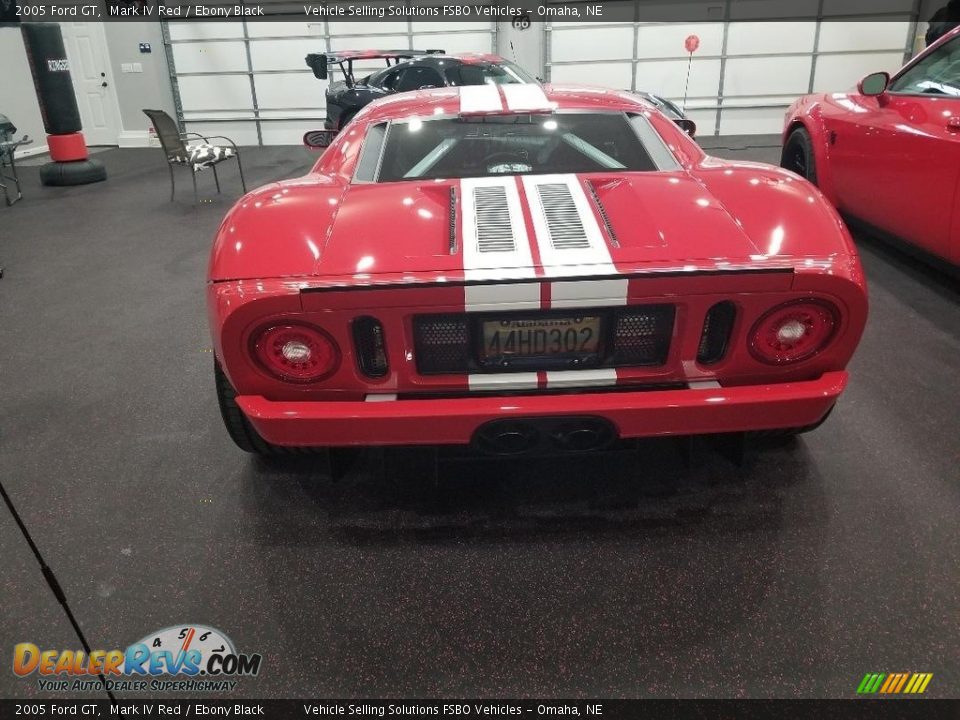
{"points": [[794, 331], [296, 353]]}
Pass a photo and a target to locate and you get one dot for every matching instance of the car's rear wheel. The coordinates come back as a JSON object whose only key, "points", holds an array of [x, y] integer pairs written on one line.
{"points": [[339, 460], [238, 427], [798, 155]]}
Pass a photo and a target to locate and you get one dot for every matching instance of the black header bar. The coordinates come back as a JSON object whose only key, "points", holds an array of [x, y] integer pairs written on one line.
{"points": [[901, 709], [480, 11]]}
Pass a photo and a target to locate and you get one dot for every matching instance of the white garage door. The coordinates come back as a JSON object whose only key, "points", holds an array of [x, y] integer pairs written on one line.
{"points": [[745, 73], [249, 81]]}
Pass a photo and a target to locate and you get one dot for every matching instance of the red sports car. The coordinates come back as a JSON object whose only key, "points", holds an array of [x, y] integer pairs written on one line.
{"points": [[888, 154], [528, 268]]}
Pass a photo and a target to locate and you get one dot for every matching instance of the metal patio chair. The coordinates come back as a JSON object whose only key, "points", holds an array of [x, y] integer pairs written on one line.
{"points": [[192, 151], [8, 148]]}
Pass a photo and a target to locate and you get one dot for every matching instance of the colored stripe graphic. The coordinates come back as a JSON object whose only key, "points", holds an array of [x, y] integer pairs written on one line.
{"points": [[870, 683], [903, 679], [890, 682], [894, 683]]}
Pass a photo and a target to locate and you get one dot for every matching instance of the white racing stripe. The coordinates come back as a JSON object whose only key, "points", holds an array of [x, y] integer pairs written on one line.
{"points": [[480, 98], [581, 378], [571, 243], [503, 381], [525, 97], [510, 257]]}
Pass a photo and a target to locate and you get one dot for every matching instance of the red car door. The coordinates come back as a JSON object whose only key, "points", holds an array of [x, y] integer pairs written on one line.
{"points": [[896, 156]]}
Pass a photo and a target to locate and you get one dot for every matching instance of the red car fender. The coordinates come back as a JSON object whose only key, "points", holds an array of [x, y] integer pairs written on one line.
{"points": [[808, 114]]}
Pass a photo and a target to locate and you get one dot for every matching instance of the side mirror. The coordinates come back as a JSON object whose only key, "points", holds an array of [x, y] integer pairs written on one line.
{"points": [[687, 125], [318, 63], [318, 139], [874, 84]]}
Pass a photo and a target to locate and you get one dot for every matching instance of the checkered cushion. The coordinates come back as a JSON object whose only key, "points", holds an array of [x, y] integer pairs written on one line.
{"points": [[204, 155]]}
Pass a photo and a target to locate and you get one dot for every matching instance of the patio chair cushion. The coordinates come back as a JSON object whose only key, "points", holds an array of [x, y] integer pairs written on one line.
{"points": [[204, 155]]}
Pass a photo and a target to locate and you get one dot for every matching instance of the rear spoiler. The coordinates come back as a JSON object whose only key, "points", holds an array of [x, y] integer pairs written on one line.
{"points": [[320, 62]]}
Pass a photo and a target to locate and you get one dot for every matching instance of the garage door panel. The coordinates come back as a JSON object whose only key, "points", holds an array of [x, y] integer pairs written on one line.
{"points": [[752, 121], [705, 119], [241, 132], [845, 35], [842, 72], [288, 132], [195, 116], [604, 44], [210, 57], [765, 38], [292, 90], [273, 57], [370, 42], [617, 75], [366, 28], [283, 54], [285, 29], [667, 40], [423, 27], [227, 92], [668, 77], [454, 42], [772, 76], [308, 118], [204, 30]]}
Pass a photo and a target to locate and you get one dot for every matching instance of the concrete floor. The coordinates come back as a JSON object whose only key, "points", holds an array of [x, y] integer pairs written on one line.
{"points": [[817, 561]]}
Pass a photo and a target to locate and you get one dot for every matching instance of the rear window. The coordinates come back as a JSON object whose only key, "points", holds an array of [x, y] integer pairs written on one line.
{"points": [[487, 74], [519, 145]]}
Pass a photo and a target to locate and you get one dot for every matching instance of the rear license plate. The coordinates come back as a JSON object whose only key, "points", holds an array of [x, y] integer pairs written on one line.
{"points": [[575, 338]]}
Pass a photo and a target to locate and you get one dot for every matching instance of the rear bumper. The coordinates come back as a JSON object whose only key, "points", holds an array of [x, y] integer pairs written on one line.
{"points": [[634, 414]]}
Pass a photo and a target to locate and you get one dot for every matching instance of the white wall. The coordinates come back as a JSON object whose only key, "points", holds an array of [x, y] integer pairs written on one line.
{"points": [[136, 91], [18, 99]]}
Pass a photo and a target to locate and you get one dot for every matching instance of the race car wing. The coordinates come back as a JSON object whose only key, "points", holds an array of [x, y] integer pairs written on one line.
{"points": [[320, 62]]}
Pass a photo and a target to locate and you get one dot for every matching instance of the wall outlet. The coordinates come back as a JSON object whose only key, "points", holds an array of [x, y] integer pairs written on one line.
{"points": [[145, 48]]}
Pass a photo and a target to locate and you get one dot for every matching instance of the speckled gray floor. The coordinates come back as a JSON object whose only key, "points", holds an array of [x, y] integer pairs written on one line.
{"points": [[815, 562]]}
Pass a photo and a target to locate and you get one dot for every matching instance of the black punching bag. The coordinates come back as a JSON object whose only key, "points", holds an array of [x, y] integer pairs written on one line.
{"points": [[58, 106]]}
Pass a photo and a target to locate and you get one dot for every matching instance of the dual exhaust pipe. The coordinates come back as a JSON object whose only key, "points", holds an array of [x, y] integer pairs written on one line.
{"points": [[545, 435]]}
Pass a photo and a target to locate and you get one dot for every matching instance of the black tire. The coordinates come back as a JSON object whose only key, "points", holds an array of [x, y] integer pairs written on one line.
{"points": [[238, 427], [338, 461], [798, 155]]}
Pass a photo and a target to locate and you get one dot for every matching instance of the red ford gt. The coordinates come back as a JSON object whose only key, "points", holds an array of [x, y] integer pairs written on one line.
{"points": [[528, 268], [888, 153]]}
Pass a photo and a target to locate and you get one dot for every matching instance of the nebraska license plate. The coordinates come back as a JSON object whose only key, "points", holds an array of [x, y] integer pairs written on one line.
{"points": [[541, 337]]}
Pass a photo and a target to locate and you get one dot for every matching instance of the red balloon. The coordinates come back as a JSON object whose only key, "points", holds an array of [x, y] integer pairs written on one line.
{"points": [[691, 43]]}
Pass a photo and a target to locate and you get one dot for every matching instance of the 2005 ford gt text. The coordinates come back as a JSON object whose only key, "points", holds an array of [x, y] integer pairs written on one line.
{"points": [[523, 265]]}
